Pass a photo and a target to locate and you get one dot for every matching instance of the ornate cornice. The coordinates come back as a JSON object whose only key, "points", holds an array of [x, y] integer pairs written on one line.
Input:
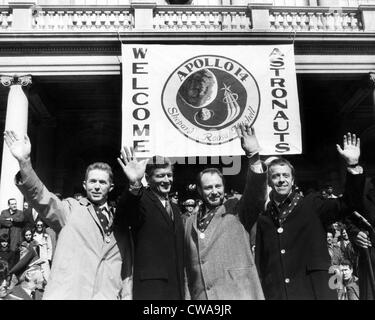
{"points": [[110, 44], [23, 80]]}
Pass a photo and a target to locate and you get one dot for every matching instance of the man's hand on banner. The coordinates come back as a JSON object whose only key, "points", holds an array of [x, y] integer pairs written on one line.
{"points": [[249, 141], [133, 169]]}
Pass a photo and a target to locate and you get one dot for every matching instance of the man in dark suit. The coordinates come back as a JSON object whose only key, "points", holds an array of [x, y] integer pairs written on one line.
{"points": [[11, 223], [291, 248], [156, 227]]}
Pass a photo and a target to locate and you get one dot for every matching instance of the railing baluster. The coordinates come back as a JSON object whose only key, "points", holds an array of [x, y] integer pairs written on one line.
{"points": [[206, 18]]}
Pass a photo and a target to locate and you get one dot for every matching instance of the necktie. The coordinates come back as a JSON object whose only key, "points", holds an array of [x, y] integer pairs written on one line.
{"points": [[103, 219], [169, 210]]}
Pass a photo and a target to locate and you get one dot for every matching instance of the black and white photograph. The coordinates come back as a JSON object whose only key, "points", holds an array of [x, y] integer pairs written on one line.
{"points": [[187, 154]]}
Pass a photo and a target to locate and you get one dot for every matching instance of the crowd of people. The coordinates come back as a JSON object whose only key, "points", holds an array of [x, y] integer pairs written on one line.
{"points": [[269, 241]]}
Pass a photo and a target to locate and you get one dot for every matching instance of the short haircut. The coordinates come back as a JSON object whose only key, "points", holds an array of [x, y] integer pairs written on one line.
{"points": [[157, 162], [346, 262], [280, 162], [211, 171], [100, 166], [10, 199], [30, 270]]}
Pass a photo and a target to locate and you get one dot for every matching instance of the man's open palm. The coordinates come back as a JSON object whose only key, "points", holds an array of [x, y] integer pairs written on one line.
{"points": [[351, 149], [19, 147], [133, 169]]}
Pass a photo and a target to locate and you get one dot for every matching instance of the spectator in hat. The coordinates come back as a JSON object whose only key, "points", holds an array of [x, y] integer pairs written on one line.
{"points": [[174, 197], [188, 209]]}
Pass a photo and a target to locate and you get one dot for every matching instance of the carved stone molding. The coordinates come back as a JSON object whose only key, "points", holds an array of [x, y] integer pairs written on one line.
{"points": [[23, 81], [6, 81]]}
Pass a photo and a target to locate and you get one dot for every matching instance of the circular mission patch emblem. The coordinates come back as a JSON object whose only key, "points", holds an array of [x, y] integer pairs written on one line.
{"points": [[208, 95]]}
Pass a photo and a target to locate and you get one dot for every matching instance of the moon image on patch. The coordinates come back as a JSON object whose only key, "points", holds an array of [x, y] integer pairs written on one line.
{"points": [[199, 89], [207, 95]]}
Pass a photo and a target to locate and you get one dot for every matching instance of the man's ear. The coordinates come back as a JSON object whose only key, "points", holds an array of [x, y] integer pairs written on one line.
{"points": [[84, 185], [27, 276], [111, 187]]}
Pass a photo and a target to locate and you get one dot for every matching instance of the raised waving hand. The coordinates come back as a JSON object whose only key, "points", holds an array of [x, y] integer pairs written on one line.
{"points": [[350, 151], [20, 147], [134, 169]]}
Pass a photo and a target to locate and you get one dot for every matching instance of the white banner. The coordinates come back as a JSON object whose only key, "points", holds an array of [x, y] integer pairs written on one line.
{"points": [[185, 100]]}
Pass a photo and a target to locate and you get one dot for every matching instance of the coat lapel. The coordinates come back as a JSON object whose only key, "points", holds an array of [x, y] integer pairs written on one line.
{"points": [[91, 210], [177, 218], [217, 219], [161, 208]]}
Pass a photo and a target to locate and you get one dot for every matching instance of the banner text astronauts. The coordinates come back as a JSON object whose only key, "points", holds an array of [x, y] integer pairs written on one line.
{"points": [[279, 101]]}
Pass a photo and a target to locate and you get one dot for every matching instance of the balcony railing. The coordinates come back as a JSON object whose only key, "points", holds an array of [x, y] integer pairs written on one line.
{"points": [[315, 19], [214, 18], [190, 18], [83, 19]]}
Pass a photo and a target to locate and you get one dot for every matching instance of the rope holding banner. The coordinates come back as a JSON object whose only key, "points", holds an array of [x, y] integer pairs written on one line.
{"points": [[119, 39]]}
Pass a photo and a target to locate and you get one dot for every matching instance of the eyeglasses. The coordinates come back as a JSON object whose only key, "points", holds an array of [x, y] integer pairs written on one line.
{"points": [[28, 235], [39, 225]]}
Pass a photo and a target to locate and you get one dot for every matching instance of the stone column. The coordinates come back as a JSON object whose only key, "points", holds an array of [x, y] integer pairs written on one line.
{"points": [[16, 120]]}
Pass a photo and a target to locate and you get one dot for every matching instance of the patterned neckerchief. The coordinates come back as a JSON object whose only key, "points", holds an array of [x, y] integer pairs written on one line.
{"points": [[103, 214], [205, 219], [281, 211]]}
